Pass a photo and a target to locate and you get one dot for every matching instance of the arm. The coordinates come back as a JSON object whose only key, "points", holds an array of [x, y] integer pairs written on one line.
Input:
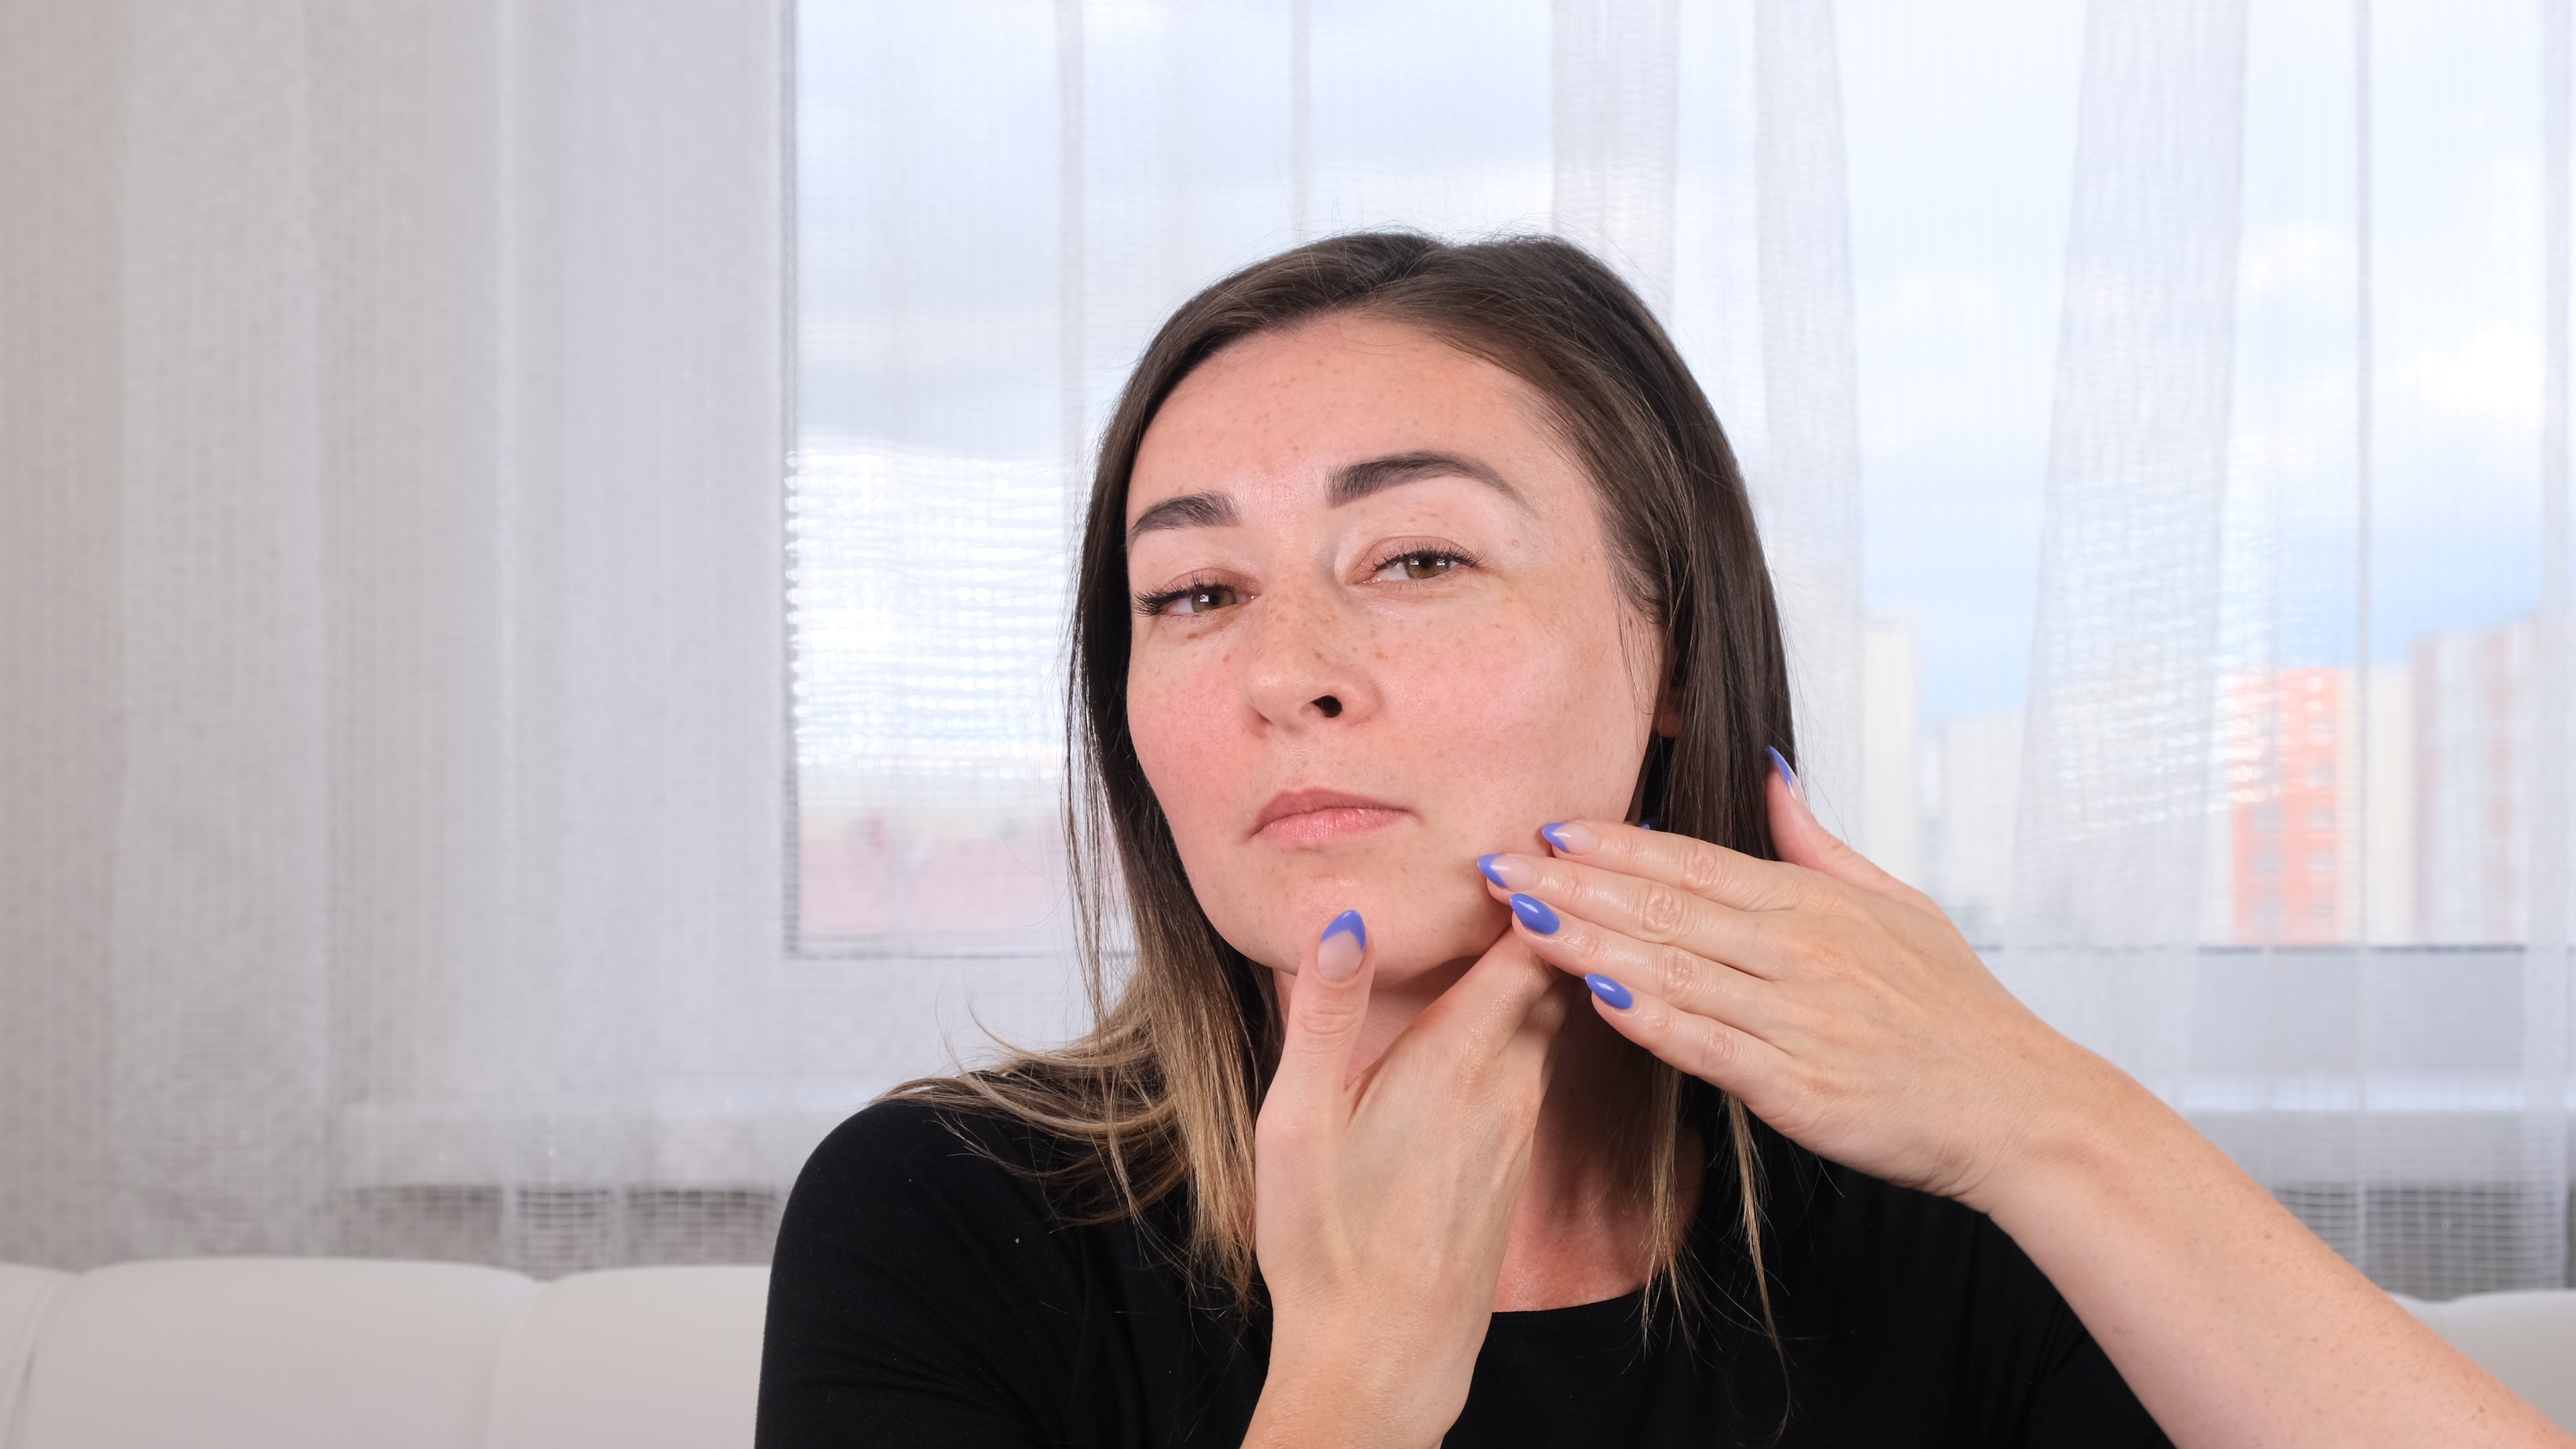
{"points": [[2229, 1319], [1841, 1007]]}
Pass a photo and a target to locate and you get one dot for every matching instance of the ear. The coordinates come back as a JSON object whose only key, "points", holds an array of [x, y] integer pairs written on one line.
{"points": [[1668, 708]]}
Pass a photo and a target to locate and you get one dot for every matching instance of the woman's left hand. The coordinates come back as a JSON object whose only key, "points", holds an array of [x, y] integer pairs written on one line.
{"points": [[1840, 1006], [1835, 1001]]}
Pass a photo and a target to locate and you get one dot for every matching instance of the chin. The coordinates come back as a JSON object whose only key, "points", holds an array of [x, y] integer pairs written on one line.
{"points": [[1418, 921], [1421, 937]]}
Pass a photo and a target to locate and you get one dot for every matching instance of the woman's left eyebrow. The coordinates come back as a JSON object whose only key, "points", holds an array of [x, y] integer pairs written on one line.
{"points": [[1355, 481]]}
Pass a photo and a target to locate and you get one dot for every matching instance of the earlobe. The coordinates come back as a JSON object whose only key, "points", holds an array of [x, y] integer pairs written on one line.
{"points": [[1668, 709]]}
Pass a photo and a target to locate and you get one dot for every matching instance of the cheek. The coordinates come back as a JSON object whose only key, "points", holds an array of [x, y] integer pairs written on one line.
{"points": [[1188, 741], [1536, 717]]}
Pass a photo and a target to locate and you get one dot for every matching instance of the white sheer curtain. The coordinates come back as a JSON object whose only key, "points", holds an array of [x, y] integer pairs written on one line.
{"points": [[394, 657], [532, 549], [2293, 830]]}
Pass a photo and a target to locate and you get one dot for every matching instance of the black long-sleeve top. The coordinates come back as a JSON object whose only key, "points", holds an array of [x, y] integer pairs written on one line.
{"points": [[927, 1293]]}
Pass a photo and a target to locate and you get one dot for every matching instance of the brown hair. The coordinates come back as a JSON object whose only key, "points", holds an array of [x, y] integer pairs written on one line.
{"points": [[1158, 1101]]}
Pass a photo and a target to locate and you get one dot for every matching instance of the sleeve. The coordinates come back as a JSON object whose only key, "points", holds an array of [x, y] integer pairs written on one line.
{"points": [[1954, 1298], [2036, 1357], [2082, 1400], [920, 1295]]}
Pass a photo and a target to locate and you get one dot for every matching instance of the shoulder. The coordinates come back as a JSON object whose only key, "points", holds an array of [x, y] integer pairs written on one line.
{"points": [[921, 1280], [913, 1140], [938, 1281], [907, 1177]]}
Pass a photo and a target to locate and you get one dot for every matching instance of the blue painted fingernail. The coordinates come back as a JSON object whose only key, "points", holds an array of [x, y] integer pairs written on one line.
{"points": [[1570, 838], [1610, 991], [1485, 864], [1349, 921], [1788, 776], [1534, 914]]}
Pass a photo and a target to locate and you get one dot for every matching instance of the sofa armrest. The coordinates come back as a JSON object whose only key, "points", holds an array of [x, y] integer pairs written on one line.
{"points": [[270, 1352], [25, 1294]]}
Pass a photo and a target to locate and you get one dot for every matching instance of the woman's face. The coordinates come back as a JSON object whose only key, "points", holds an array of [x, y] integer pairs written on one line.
{"points": [[1379, 635]]}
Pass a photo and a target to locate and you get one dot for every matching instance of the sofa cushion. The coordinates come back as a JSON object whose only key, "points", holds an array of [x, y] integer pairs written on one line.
{"points": [[24, 1295], [2527, 1340], [270, 1353], [641, 1358]]}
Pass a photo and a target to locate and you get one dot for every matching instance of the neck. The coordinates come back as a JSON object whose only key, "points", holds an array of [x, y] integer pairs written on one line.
{"points": [[1578, 1235]]}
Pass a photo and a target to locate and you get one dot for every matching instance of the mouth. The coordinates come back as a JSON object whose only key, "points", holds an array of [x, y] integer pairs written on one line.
{"points": [[1319, 817]]}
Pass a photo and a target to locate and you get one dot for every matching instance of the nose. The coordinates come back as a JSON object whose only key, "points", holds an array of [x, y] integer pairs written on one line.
{"points": [[1303, 665]]}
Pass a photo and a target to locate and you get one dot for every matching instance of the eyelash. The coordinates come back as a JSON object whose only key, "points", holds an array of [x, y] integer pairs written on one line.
{"points": [[1162, 599], [1451, 556]]}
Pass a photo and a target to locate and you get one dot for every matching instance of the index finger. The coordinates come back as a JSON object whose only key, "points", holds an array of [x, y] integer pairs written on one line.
{"points": [[1711, 872]]}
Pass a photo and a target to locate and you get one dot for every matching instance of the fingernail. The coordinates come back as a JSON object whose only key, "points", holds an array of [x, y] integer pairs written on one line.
{"points": [[1788, 776], [1534, 914], [1610, 991], [1338, 959], [1509, 872], [1572, 839]]}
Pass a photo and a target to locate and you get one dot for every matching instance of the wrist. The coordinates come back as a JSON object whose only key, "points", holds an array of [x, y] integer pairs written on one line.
{"points": [[2092, 1124], [1306, 1406], [1339, 1390]]}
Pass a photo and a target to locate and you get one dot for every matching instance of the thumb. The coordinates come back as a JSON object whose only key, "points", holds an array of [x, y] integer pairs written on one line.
{"points": [[1803, 840], [1326, 1007]]}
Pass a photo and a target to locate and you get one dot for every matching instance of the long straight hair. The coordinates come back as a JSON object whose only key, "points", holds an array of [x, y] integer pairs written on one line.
{"points": [[1156, 1104]]}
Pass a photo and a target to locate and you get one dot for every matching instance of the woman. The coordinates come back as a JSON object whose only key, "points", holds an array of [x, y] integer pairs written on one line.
{"points": [[1445, 1097]]}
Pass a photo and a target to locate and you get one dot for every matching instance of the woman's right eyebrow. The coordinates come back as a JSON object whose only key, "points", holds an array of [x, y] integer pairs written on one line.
{"points": [[1190, 510]]}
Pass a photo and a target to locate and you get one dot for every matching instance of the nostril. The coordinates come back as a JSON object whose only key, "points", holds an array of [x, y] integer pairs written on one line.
{"points": [[1331, 707]]}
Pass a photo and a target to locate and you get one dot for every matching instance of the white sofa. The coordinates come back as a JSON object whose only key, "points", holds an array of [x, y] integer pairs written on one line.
{"points": [[2528, 1340], [284, 1353]]}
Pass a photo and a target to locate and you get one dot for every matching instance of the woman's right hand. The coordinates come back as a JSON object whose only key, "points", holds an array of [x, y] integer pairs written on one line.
{"points": [[1384, 1197]]}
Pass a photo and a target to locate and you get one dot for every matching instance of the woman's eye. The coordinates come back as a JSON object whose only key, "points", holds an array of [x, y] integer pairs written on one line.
{"points": [[1421, 564], [1190, 599], [1203, 599]]}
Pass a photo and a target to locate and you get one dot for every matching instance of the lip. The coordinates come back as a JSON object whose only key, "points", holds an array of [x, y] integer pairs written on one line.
{"points": [[1314, 817]]}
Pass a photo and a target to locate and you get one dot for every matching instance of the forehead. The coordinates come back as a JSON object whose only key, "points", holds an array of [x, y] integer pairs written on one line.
{"points": [[1283, 403]]}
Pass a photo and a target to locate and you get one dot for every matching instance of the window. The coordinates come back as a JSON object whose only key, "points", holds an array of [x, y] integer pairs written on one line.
{"points": [[998, 201], [970, 291], [929, 497]]}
